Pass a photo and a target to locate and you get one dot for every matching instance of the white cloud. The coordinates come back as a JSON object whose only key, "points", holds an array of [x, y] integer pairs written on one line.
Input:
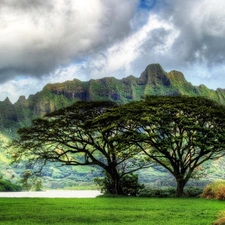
{"points": [[117, 60], [15, 88], [208, 17], [37, 39], [56, 40]]}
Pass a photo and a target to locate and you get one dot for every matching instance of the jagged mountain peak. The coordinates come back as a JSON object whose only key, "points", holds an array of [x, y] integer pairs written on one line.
{"points": [[154, 67], [154, 75], [22, 98], [7, 101]]}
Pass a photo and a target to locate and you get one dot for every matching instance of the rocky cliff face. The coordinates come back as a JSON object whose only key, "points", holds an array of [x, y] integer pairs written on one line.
{"points": [[153, 81]]}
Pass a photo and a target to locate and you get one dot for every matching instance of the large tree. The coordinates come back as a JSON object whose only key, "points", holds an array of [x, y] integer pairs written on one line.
{"points": [[74, 136], [179, 133]]}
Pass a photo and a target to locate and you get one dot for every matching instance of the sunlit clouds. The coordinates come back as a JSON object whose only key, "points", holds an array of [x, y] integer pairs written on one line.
{"points": [[56, 40]]}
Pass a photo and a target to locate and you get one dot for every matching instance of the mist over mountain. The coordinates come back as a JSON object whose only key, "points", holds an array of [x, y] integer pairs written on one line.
{"points": [[153, 81]]}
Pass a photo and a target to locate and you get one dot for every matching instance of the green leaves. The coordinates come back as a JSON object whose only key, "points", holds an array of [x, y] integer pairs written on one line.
{"points": [[179, 133], [82, 134]]}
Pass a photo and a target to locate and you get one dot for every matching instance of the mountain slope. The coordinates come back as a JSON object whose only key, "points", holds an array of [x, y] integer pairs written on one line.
{"points": [[153, 81]]}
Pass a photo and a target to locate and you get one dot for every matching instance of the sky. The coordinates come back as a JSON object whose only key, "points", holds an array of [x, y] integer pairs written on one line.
{"points": [[53, 41]]}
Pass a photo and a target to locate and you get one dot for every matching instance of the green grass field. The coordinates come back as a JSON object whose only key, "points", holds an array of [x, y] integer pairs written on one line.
{"points": [[109, 211]]}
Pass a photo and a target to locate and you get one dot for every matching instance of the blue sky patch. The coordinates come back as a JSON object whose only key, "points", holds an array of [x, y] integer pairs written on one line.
{"points": [[147, 4]]}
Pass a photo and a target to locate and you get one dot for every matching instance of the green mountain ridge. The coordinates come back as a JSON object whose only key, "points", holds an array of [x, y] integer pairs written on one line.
{"points": [[153, 81]]}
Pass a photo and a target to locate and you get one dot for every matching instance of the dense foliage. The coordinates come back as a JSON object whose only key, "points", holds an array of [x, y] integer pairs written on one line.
{"points": [[71, 136], [215, 190], [7, 185], [178, 133], [168, 192], [129, 185]]}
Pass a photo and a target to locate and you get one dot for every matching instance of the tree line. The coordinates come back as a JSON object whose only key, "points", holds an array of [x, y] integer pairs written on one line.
{"points": [[179, 133]]}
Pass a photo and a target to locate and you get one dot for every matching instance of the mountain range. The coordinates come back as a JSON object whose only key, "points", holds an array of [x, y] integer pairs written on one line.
{"points": [[153, 81]]}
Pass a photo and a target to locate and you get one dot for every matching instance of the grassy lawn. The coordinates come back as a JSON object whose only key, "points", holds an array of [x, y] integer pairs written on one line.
{"points": [[109, 211]]}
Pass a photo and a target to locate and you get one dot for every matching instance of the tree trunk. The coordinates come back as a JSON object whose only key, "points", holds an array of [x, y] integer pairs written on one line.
{"points": [[180, 187], [116, 182], [117, 187]]}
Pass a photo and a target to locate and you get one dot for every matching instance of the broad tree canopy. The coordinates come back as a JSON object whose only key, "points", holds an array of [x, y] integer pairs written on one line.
{"points": [[179, 133], [75, 136]]}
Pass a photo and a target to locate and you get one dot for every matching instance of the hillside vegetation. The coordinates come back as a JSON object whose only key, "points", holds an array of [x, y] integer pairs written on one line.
{"points": [[153, 81]]}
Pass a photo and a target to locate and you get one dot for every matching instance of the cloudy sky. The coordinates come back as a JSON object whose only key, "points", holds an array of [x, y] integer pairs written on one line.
{"points": [[56, 40]]}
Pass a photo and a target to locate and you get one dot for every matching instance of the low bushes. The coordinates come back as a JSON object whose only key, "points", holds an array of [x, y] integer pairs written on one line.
{"points": [[6, 185], [215, 190], [158, 193], [169, 192], [129, 185], [193, 191], [221, 219]]}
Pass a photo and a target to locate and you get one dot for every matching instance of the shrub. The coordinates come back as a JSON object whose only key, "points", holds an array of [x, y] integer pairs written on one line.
{"points": [[105, 184], [38, 186], [129, 184], [6, 185], [30, 182], [158, 193], [221, 219], [169, 192], [215, 190], [193, 192]]}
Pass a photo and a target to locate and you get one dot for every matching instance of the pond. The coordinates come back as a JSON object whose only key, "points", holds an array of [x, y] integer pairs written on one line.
{"points": [[52, 194]]}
